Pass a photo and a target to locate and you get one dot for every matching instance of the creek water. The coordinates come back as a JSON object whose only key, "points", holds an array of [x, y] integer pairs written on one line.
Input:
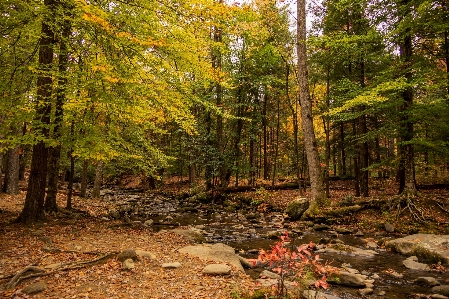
{"points": [[248, 233]]}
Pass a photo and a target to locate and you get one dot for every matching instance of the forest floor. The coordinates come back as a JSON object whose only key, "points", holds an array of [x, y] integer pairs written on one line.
{"points": [[79, 250]]}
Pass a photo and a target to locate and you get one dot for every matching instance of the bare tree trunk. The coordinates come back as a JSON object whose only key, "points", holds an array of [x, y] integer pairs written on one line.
{"points": [[356, 159], [407, 182], [318, 195], [72, 168], [24, 156], [34, 201], [276, 149], [98, 180], [326, 124], [11, 185], [343, 152], [364, 151]]}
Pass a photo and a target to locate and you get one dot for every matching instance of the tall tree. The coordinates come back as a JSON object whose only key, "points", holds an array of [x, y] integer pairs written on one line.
{"points": [[34, 201], [318, 195]]}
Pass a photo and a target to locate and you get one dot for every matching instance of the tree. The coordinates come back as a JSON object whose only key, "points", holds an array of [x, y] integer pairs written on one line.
{"points": [[317, 191], [34, 201]]}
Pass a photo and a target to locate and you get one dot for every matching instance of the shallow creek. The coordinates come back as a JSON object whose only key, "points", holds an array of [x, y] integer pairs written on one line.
{"points": [[247, 232]]}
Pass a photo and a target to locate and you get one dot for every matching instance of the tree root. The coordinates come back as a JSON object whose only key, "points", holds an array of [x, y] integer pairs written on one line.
{"points": [[25, 273], [415, 212], [440, 205], [33, 271]]}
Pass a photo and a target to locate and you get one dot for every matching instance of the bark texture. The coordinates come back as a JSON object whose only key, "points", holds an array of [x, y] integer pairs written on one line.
{"points": [[33, 209], [98, 179], [11, 185], [316, 181]]}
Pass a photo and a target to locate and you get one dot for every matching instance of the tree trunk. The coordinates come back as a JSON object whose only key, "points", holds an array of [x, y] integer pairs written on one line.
{"points": [[72, 169], [364, 151], [276, 149], [356, 159], [98, 180], [11, 185], [1, 171], [24, 156], [317, 192], [326, 124], [83, 190], [34, 202], [343, 152], [266, 168], [407, 182], [55, 151]]}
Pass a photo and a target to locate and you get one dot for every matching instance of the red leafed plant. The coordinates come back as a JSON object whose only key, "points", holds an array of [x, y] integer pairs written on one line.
{"points": [[294, 263]]}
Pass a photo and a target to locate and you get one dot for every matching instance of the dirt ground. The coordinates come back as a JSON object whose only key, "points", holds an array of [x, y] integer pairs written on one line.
{"points": [[72, 242]]}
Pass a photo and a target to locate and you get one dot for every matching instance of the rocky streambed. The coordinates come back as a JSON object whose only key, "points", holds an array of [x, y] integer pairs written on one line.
{"points": [[384, 264]]}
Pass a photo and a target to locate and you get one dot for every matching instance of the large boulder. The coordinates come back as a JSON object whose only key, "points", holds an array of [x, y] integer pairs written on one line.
{"points": [[297, 207], [433, 248], [348, 279], [412, 263], [217, 252], [217, 269], [127, 254]]}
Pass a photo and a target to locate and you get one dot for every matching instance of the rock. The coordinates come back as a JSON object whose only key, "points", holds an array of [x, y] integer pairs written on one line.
{"points": [[309, 294], [396, 274], [441, 289], [429, 247], [114, 214], [215, 252], [320, 227], [348, 250], [427, 281], [246, 263], [190, 234], [343, 230], [145, 254], [347, 279], [438, 296], [273, 235], [365, 291], [296, 208], [148, 222], [411, 263], [127, 254], [34, 288], [128, 264], [371, 245], [171, 265], [269, 274], [359, 233], [389, 227], [217, 269]]}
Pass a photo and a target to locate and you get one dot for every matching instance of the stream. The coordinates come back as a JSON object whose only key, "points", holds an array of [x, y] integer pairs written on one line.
{"points": [[249, 231]]}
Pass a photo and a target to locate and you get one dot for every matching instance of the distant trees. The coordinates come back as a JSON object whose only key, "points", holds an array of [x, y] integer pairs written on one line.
{"points": [[212, 91]]}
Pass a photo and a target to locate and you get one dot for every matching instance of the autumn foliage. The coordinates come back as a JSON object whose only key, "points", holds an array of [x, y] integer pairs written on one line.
{"points": [[298, 264]]}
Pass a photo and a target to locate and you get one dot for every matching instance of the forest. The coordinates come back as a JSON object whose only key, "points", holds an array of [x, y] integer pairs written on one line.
{"points": [[211, 91], [223, 97]]}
